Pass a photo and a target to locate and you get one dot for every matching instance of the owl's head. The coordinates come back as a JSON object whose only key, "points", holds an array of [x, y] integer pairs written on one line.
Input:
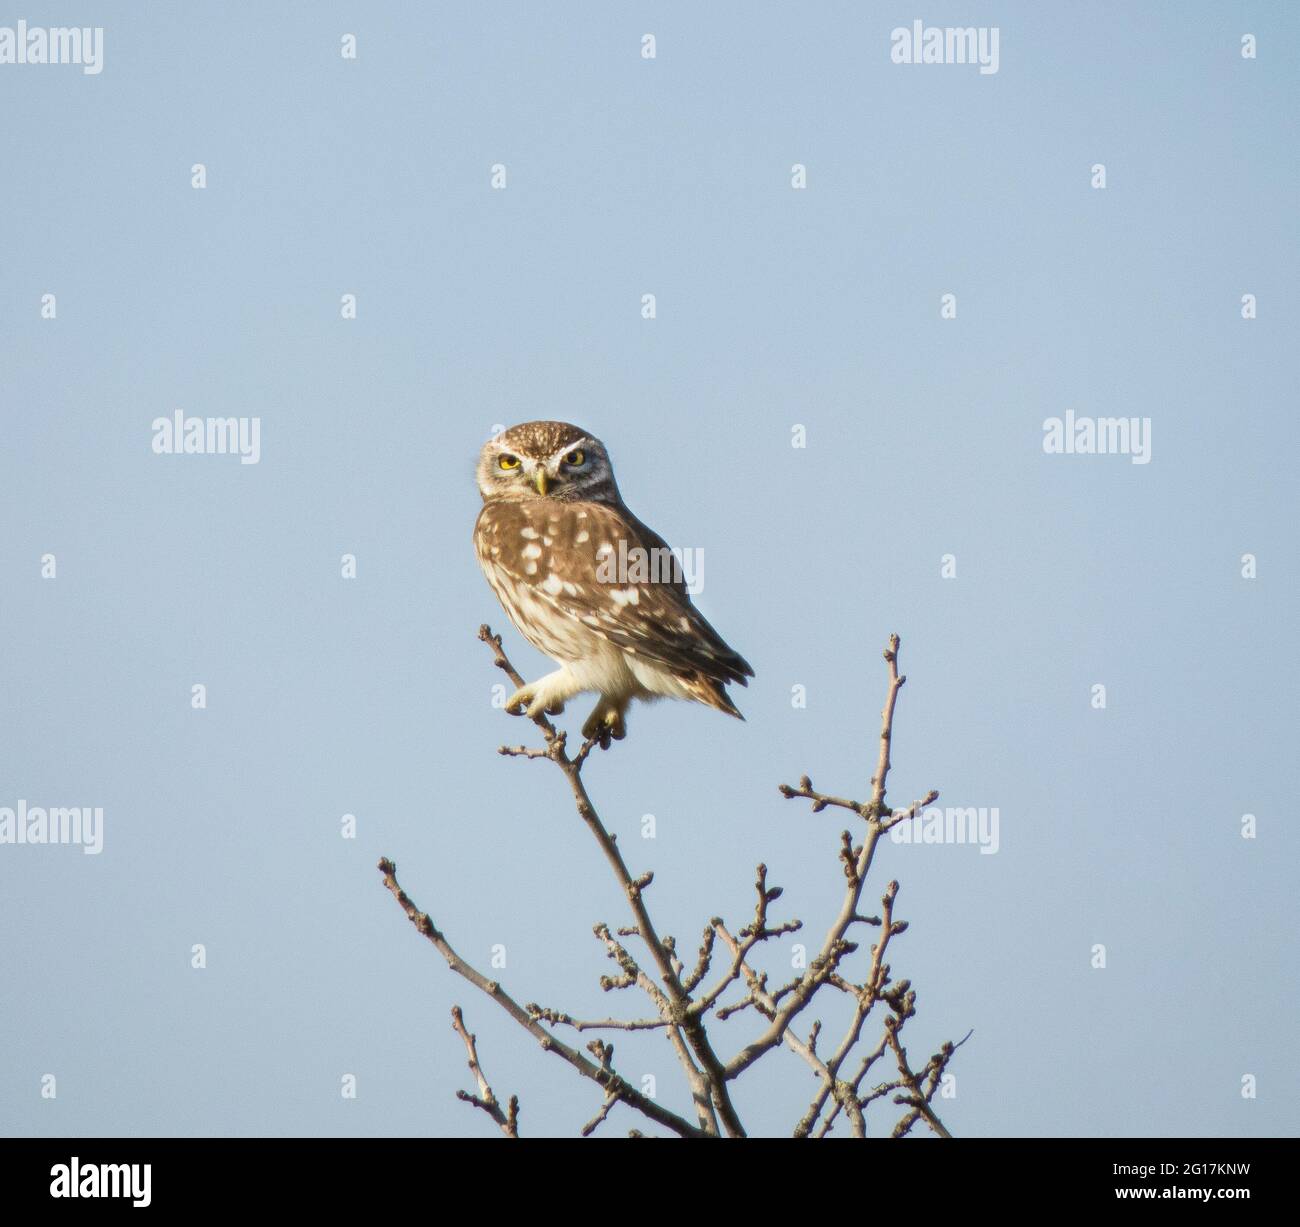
{"points": [[545, 460]]}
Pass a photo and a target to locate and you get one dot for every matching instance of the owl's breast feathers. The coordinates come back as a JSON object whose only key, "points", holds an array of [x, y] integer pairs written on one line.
{"points": [[555, 566]]}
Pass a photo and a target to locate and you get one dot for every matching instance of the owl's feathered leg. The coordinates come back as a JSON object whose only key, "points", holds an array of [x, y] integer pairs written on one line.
{"points": [[547, 694], [606, 719]]}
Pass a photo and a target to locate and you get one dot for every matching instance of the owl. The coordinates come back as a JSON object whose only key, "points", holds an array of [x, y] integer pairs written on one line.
{"points": [[589, 585]]}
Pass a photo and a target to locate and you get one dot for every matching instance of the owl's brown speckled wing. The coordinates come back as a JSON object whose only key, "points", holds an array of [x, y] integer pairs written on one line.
{"points": [[544, 557]]}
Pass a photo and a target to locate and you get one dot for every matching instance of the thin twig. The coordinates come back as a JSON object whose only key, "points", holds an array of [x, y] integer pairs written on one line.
{"points": [[507, 1119]]}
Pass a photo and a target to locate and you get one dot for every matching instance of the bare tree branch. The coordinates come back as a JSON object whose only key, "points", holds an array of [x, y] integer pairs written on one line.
{"points": [[611, 1082], [682, 1009], [507, 1120]]}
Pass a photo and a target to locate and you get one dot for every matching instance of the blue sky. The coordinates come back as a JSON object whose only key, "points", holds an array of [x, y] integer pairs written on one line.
{"points": [[775, 308]]}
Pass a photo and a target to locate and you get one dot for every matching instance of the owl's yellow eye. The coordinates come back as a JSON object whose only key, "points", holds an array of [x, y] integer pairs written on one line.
{"points": [[507, 461], [576, 459]]}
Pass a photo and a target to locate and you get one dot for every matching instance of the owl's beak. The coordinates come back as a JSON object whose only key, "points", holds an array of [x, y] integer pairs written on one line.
{"points": [[541, 481]]}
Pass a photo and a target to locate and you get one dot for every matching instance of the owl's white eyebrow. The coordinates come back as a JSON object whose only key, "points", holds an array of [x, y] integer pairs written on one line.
{"points": [[571, 447]]}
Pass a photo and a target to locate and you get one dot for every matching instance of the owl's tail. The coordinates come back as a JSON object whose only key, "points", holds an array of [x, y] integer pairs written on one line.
{"points": [[712, 693]]}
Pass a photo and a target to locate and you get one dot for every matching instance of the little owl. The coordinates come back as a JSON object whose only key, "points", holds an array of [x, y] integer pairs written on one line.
{"points": [[554, 540]]}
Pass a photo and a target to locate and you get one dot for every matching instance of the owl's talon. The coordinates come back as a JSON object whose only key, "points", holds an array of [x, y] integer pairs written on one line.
{"points": [[520, 701], [605, 723], [527, 701]]}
